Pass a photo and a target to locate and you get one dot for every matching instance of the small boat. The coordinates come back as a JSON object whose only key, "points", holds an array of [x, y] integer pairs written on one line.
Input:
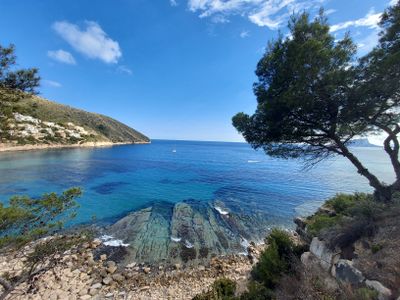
{"points": [[174, 151]]}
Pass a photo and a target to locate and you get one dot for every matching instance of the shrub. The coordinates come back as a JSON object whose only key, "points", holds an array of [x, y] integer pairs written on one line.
{"points": [[25, 219], [275, 260], [320, 222], [376, 248], [365, 294]]}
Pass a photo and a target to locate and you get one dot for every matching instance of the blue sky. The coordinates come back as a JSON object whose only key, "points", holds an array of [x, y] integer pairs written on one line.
{"points": [[173, 69]]}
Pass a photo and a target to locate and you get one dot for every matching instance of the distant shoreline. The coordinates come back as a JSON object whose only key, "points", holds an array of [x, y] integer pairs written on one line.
{"points": [[12, 148]]}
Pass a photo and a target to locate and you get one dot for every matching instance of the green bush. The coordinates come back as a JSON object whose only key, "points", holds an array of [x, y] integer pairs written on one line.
{"points": [[365, 294], [376, 248], [320, 222], [275, 260]]}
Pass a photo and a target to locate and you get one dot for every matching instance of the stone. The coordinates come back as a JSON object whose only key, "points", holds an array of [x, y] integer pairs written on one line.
{"points": [[118, 278], [322, 252], [103, 257], [131, 265], [146, 270], [111, 267], [96, 286], [90, 261], [384, 292], [177, 266], [109, 295], [93, 292], [346, 272], [306, 258], [95, 243], [300, 222], [107, 280], [85, 297]]}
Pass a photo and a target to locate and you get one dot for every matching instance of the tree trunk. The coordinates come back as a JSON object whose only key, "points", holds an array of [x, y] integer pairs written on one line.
{"points": [[393, 153], [383, 193]]}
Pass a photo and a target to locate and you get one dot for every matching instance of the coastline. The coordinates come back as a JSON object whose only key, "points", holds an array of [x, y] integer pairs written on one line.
{"points": [[12, 148]]}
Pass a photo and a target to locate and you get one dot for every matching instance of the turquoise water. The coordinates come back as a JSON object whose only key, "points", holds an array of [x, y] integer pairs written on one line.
{"points": [[121, 179]]}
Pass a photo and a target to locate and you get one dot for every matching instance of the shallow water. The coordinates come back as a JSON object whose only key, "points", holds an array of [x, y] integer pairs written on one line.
{"points": [[121, 179]]}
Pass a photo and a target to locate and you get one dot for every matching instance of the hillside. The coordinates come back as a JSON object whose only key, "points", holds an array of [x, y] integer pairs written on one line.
{"points": [[37, 121]]}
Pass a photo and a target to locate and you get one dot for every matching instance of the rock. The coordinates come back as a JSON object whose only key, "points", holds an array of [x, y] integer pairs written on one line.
{"points": [[130, 266], [111, 267], [384, 292], [306, 258], [345, 271], [177, 266], [326, 210], [96, 286], [107, 280], [90, 261], [95, 243], [146, 270], [300, 222], [118, 278], [109, 295], [103, 257], [83, 292], [93, 292], [201, 268], [85, 297], [322, 252]]}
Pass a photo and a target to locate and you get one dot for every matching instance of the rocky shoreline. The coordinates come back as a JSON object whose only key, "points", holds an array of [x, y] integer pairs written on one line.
{"points": [[81, 274], [28, 147]]}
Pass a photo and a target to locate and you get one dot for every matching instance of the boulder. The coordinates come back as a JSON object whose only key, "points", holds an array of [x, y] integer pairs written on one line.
{"points": [[384, 292], [300, 222], [346, 272], [322, 252], [306, 258]]}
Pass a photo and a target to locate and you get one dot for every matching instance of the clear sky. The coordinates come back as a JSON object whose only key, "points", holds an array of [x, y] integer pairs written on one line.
{"points": [[173, 69]]}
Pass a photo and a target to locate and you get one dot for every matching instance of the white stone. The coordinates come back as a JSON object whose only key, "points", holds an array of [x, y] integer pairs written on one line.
{"points": [[322, 252], [384, 292]]}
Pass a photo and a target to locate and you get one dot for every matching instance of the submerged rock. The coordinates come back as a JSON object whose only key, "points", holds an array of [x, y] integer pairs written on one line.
{"points": [[190, 232]]}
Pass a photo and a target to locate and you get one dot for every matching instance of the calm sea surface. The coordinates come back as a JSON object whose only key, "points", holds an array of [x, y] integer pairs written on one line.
{"points": [[121, 179]]}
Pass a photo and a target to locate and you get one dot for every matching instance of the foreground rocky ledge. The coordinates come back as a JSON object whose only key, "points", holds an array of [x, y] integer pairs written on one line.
{"points": [[82, 274]]}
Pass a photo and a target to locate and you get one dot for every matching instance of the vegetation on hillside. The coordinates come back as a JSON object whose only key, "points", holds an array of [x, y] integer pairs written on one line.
{"points": [[314, 97], [17, 89]]}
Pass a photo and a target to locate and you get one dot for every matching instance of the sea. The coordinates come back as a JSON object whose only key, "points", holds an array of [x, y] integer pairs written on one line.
{"points": [[122, 179]]}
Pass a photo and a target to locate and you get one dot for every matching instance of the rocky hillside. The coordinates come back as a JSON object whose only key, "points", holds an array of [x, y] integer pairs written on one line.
{"points": [[36, 121]]}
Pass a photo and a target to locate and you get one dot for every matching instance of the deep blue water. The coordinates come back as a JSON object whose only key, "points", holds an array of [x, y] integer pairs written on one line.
{"points": [[120, 179]]}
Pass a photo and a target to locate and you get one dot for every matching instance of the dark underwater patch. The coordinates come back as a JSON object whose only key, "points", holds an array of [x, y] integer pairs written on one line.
{"points": [[108, 187]]}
